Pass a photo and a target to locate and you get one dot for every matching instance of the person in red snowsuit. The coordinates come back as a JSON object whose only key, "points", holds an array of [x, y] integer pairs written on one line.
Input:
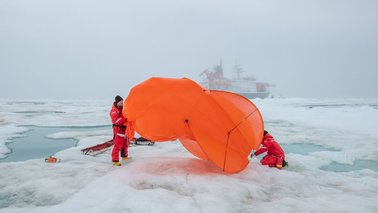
{"points": [[275, 156], [121, 142]]}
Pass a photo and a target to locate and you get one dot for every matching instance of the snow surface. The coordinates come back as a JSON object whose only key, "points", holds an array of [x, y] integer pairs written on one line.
{"points": [[166, 178]]}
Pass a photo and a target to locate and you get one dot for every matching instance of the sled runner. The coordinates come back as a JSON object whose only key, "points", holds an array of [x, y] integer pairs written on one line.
{"points": [[97, 149]]}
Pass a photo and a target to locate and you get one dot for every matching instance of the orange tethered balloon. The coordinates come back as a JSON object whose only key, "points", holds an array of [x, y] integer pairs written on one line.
{"points": [[219, 126]]}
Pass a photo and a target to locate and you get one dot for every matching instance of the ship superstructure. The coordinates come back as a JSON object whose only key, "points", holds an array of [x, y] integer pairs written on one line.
{"points": [[246, 86]]}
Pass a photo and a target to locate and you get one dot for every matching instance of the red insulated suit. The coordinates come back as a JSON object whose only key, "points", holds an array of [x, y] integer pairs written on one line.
{"points": [[121, 142], [275, 155]]}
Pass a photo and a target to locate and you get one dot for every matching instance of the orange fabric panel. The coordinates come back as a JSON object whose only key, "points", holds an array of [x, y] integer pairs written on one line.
{"points": [[158, 109], [194, 148], [218, 126], [243, 113]]}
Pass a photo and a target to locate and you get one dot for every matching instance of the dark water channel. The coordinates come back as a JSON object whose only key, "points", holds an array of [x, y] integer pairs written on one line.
{"points": [[35, 143], [306, 148]]}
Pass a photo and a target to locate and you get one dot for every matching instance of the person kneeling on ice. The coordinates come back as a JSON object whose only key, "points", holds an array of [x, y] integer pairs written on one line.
{"points": [[275, 156], [121, 142]]}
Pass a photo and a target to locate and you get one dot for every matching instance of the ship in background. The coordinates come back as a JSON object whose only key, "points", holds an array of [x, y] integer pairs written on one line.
{"points": [[245, 86]]}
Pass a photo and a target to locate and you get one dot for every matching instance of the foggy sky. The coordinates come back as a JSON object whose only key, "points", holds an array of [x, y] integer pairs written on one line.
{"points": [[71, 49]]}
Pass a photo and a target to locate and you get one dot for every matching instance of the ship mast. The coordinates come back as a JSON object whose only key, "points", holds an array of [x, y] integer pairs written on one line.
{"points": [[238, 69], [219, 69]]}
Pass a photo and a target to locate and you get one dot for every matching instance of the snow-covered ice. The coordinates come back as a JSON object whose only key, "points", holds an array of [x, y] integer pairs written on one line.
{"points": [[166, 178]]}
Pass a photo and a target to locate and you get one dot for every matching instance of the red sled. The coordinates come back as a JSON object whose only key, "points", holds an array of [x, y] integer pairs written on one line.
{"points": [[100, 148]]}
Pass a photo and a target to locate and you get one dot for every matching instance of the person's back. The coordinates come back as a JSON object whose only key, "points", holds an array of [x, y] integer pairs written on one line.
{"points": [[275, 155], [274, 148]]}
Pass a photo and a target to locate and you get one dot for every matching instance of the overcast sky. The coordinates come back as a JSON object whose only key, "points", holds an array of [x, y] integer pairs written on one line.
{"points": [[72, 49]]}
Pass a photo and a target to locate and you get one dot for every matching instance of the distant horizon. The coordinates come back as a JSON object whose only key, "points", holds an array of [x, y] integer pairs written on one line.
{"points": [[92, 49], [112, 98]]}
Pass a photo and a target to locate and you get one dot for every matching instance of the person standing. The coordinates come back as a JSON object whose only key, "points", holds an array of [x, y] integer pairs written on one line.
{"points": [[121, 142]]}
